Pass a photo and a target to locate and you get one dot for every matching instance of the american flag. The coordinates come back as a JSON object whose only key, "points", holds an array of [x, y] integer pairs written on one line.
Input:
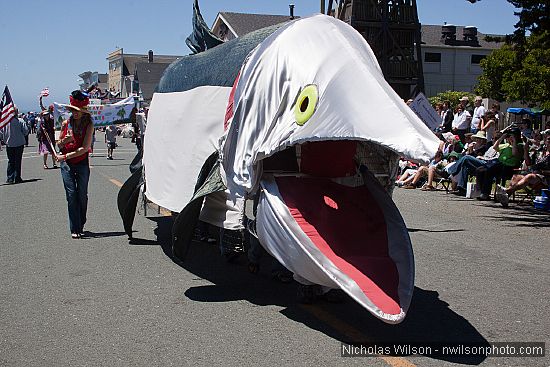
{"points": [[7, 108], [45, 92]]}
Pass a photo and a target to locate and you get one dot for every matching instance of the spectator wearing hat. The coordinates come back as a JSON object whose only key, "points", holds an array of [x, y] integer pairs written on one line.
{"points": [[537, 177], [510, 157], [13, 136], [478, 113], [75, 141], [466, 165]]}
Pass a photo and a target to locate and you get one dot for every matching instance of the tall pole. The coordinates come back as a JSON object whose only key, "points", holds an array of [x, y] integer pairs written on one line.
{"points": [[322, 6]]}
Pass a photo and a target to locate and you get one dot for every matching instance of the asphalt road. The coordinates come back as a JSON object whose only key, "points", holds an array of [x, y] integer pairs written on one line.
{"points": [[482, 275]]}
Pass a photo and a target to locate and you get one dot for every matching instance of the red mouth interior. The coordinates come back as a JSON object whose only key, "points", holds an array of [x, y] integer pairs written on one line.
{"points": [[344, 223]]}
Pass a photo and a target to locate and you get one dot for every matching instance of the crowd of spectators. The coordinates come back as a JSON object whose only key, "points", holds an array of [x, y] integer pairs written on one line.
{"points": [[475, 158]]}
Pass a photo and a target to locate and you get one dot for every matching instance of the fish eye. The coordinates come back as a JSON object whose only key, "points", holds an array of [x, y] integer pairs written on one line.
{"points": [[306, 104]]}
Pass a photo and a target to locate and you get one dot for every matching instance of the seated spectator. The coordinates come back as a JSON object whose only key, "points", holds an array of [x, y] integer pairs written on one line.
{"points": [[467, 141], [451, 143], [510, 157], [407, 170], [466, 165], [537, 177], [440, 170], [423, 171], [525, 126]]}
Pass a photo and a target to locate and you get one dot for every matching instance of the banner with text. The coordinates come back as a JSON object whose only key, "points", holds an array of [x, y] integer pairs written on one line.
{"points": [[102, 114]]}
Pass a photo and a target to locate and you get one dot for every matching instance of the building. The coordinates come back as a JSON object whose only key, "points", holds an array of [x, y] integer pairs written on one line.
{"points": [[93, 77], [451, 56], [122, 71], [228, 26], [146, 78], [392, 29]]}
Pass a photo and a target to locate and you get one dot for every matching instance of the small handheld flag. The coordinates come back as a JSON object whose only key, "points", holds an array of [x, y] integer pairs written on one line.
{"points": [[7, 108], [45, 92]]}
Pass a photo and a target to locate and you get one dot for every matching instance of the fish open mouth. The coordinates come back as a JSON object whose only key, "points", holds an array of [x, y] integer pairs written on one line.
{"points": [[341, 228]]}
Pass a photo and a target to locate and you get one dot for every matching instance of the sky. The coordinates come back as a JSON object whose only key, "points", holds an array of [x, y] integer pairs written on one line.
{"points": [[48, 43]]}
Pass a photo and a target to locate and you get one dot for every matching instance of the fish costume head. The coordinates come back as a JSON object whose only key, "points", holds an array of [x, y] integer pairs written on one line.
{"points": [[315, 86]]}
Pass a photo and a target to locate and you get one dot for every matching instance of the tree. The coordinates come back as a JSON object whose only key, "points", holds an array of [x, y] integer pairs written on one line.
{"points": [[530, 83], [519, 70], [451, 96], [534, 15], [497, 67]]}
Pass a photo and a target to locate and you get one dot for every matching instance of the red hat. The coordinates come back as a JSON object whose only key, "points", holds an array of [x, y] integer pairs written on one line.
{"points": [[79, 99]]}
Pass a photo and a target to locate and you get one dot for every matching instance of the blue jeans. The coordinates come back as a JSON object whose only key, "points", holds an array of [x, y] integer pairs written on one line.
{"points": [[464, 167], [75, 180]]}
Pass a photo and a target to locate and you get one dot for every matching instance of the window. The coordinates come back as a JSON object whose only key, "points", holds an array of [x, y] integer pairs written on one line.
{"points": [[432, 57], [477, 58]]}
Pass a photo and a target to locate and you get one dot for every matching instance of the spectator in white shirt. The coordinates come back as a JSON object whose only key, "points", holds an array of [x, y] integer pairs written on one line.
{"points": [[479, 111], [461, 121]]}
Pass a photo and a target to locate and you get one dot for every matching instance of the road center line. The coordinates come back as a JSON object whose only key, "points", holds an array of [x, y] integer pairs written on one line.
{"points": [[327, 318], [351, 332]]}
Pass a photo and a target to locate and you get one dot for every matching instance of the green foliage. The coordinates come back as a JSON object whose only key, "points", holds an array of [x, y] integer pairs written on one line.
{"points": [[534, 15], [518, 73], [451, 96], [531, 82], [497, 66]]}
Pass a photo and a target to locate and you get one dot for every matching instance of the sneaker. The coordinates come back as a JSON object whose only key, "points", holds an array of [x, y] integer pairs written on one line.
{"points": [[502, 198], [460, 192], [483, 197]]}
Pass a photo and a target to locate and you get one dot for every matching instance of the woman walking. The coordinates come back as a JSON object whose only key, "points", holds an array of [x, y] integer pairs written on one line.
{"points": [[46, 130], [75, 141]]}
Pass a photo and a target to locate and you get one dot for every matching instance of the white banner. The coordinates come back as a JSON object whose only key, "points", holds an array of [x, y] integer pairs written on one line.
{"points": [[102, 114], [424, 110]]}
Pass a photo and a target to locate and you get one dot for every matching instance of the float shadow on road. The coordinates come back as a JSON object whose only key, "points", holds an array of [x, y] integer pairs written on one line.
{"points": [[429, 319]]}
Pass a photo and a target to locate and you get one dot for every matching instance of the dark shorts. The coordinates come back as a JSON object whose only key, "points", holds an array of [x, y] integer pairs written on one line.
{"points": [[111, 145]]}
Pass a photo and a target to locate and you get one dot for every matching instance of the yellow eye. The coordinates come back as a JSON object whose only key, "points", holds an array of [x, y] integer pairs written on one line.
{"points": [[306, 104]]}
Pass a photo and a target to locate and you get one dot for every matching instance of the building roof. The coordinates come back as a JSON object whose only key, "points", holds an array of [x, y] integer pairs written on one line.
{"points": [[149, 74], [432, 36], [242, 23], [130, 61]]}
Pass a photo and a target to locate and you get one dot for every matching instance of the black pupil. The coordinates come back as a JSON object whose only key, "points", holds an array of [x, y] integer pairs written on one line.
{"points": [[304, 104]]}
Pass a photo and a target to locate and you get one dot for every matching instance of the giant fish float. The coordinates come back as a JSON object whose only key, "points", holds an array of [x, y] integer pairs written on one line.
{"points": [[298, 119]]}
